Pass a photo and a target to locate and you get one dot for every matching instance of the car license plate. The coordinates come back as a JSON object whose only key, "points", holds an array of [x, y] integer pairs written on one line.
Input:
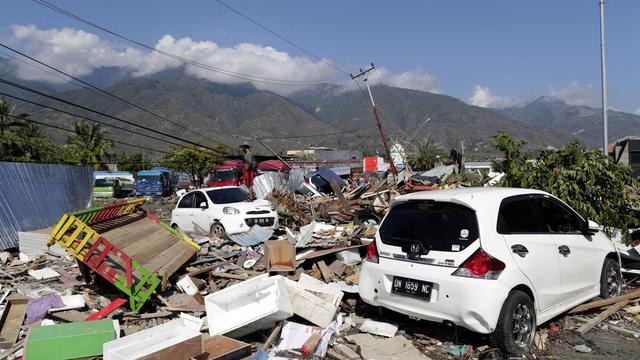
{"points": [[415, 288]]}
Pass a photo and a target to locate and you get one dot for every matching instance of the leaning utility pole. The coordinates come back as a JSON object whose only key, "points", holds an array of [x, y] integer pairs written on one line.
{"points": [[603, 70], [387, 150]]}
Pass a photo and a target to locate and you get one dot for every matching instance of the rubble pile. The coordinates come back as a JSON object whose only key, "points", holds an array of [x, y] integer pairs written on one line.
{"points": [[286, 293]]}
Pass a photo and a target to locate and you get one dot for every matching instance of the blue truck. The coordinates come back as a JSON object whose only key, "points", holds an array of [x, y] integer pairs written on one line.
{"points": [[156, 181]]}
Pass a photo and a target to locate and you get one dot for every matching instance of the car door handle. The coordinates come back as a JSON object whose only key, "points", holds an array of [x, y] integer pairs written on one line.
{"points": [[564, 250], [521, 250]]}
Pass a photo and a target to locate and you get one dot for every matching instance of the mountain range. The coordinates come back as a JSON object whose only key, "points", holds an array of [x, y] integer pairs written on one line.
{"points": [[322, 115]]}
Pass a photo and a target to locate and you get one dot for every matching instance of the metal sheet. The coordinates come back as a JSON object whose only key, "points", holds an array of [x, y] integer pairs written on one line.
{"points": [[255, 236], [34, 196], [264, 184]]}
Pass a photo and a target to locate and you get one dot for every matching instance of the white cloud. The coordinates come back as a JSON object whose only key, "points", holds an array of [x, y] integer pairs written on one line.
{"points": [[483, 97], [78, 53], [575, 93]]}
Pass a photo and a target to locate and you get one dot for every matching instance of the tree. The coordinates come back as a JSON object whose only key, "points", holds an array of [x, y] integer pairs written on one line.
{"points": [[8, 116], [194, 160], [603, 192], [132, 162], [89, 140], [426, 155]]}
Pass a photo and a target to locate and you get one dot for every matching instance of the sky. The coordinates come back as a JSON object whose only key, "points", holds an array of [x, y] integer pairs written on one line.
{"points": [[488, 53]]}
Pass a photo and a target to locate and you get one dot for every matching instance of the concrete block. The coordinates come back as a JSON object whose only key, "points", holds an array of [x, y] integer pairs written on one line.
{"points": [[251, 305]]}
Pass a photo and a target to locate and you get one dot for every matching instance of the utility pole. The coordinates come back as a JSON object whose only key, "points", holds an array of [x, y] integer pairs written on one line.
{"points": [[273, 152], [376, 113], [603, 70]]}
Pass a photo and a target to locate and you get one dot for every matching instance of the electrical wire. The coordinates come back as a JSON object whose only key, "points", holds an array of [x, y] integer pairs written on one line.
{"points": [[180, 58], [104, 92], [316, 135], [31, 90], [89, 119], [30, 120], [280, 36]]}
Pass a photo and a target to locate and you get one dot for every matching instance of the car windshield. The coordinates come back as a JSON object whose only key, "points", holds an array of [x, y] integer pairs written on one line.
{"points": [[438, 226], [103, 183], [227, 196], [148, 178], [223, 175]]}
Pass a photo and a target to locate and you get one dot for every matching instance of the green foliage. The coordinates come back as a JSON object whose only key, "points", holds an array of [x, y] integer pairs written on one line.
{"points": [[89, 140], [196, 161], [426, 155], [603, 192], [468, 179], [132, 162]]}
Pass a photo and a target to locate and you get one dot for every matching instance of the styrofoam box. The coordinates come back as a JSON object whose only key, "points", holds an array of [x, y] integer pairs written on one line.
{"points": [[251, 305], [151, 340], [309, 306]]}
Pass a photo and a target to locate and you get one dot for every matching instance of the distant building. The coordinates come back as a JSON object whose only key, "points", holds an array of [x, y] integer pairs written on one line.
{"points": [[627, 152], [325, 154]]}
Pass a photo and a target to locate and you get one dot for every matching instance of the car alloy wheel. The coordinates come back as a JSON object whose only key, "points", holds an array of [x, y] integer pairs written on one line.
{"points": [[217, 230], [613, 281], [523, 326]]}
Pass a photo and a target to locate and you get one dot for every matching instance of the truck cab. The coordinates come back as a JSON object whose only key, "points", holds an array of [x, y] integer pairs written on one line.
{"points": [[153, 182], [229, 173]]}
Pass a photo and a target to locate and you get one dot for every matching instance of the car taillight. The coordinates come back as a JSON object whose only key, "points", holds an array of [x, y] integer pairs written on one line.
{"points": [[372, 252], [480, 266]]}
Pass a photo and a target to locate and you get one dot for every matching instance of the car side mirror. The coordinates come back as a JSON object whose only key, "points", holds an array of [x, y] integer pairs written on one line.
{"points": [[203, 205], [591, 227]]}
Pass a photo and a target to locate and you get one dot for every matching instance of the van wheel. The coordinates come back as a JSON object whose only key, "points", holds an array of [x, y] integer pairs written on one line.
{"points": [[217, 230], [516, 325], [610, 279]]}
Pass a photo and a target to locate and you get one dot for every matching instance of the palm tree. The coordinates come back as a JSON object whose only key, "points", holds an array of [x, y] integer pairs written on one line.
{"points": [[426, 155], [7, 117], [90, 140]]}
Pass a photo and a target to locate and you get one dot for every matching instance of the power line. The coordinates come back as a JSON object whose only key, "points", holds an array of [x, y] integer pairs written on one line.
{"points": [[180, 58], [107, 93], [89, 119], [31, 90], [280, 36], [315, 135], [30, 120]]}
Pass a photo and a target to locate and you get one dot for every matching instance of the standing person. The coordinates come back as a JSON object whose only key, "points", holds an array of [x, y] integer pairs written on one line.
{"points": [[250, 168]]}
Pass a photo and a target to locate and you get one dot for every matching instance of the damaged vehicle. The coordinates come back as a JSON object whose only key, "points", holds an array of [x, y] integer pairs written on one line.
{"points": [[496, 261], [221, 211]]}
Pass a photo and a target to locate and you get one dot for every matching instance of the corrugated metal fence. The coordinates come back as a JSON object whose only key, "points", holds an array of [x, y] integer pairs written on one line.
{"points": [[34, 196]]}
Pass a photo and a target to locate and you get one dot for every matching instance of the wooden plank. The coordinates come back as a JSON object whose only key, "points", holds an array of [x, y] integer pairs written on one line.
{"points": [[69, 315], [161, 259], [230, 276], [340, 195], [602, 316], [224, 348], [11, 320], [177, 262], [327, 274], [183, 350], [598, 304]]}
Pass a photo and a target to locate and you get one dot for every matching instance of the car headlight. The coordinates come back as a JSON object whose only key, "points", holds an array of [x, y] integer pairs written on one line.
{"points": [[230, 210]]}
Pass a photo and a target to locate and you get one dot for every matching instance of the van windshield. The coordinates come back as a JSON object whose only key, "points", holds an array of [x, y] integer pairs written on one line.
{"points": [[148, 178], [439, 226], [224, 175], [103, 183]]}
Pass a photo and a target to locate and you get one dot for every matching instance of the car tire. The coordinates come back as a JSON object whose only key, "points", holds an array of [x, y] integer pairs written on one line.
{"points": [[610, 279], [516, 325], [218, 230]]}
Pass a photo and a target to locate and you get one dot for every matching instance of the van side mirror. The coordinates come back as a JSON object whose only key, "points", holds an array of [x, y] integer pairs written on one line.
{"points": [[203, 205]]}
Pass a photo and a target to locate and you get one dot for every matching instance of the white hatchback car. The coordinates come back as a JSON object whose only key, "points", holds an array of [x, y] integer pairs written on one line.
{"points": [[497, 261], [222, 210]]}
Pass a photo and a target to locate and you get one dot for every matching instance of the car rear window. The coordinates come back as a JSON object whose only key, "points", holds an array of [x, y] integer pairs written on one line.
{"points": [[227, 196], [438, 226]]}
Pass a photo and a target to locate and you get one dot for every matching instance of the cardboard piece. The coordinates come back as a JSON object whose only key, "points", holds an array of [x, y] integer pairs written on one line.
{"points": [[280, 255]]}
